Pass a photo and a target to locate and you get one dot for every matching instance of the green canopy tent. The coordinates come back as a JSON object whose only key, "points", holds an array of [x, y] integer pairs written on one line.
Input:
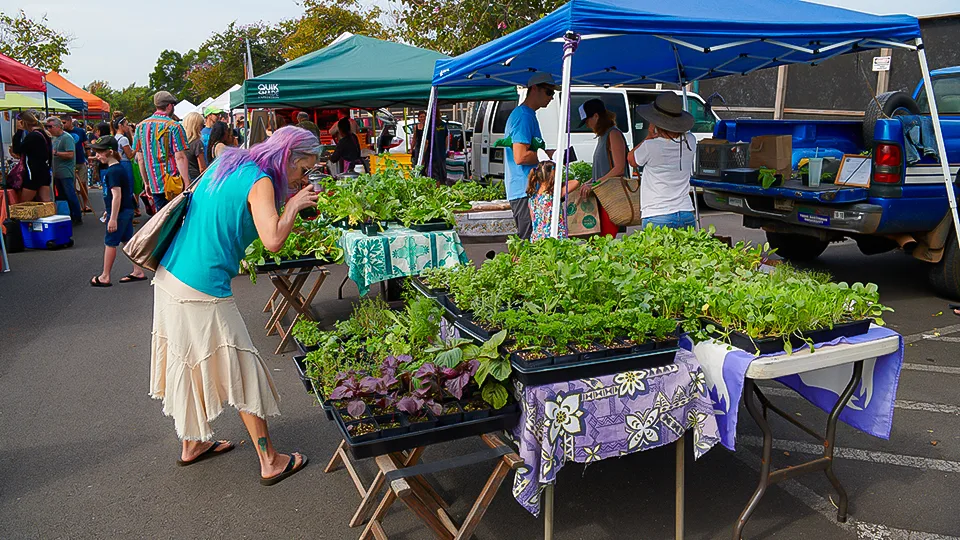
{"points": [[16, 100], [357, 72]]}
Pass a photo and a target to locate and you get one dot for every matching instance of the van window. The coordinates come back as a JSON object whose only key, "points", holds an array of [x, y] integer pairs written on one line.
{"points": [[947, 91], [481, 113], [504, 108], [613, 102]]}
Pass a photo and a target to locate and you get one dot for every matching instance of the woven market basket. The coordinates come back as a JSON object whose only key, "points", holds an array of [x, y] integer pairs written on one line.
{"points": [[620, 197], [32, 210]]}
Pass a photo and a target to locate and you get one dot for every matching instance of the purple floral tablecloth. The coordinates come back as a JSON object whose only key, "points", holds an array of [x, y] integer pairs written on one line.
{"points": [[592, 419]]}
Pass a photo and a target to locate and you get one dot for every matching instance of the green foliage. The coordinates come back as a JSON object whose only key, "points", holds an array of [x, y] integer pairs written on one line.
{"points": [[552, 293], [476, 191], [136, 102], [307, 332], [33, 42], [170, 74], [324, 20], [581, 171], [308, 239]]}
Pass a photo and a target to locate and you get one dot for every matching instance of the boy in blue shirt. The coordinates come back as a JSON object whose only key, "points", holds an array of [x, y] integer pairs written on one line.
{"points": [[119, 205]]}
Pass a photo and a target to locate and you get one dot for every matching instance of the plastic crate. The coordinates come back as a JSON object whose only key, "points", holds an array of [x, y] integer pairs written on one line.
{"points": [[714, 158]]}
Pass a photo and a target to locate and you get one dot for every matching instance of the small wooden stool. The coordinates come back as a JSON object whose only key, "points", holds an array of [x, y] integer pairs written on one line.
{"points": [[407, 484], [287, 295]]}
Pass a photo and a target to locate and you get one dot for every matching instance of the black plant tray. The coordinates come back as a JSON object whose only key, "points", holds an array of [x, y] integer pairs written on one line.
{"points": [[312, 388], [424, 289], [774, 345], [304, 349], [430, 226], [287, 264], [503, 419], [594, 368]]}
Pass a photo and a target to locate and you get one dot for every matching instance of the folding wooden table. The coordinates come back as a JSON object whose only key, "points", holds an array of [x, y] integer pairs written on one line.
{"points": [[289, 283]]}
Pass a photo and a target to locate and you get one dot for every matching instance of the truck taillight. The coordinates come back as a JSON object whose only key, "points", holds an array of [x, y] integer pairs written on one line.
{"points": [[888, 162]]}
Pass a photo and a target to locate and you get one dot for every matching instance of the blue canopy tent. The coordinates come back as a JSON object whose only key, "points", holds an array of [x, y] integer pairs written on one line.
{"points": [[618, 42], [70, 101]]}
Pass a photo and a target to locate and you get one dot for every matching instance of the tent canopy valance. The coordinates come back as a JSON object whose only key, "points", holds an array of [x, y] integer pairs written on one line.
{"points": [[626, 42], [356, 71], [16, 74], [17, 100], [94, 104], [67, 99]]}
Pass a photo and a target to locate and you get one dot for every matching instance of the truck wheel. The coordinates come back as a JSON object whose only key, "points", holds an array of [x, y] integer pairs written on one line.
{"points": [[796, 247], [891, 104], [944, 277]]}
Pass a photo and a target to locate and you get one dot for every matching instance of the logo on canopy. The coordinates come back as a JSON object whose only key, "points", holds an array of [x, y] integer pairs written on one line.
{"points": [[268, 90]]}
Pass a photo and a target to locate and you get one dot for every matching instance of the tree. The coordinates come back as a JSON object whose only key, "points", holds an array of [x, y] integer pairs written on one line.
{"points": [[33, 42], [220, 60], [136, 102], [170, 74], [324, 20], [457, 26]]}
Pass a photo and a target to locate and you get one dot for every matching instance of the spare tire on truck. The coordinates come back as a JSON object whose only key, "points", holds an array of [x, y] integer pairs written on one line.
{"points": [[796, 247], [887, 105], [944, 276]]}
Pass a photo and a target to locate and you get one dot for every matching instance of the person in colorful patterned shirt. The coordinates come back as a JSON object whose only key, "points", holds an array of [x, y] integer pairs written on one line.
{"points": [[161, 143]]}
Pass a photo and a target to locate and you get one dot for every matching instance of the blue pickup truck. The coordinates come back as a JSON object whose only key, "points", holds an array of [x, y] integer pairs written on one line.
{"points": [[905, 206]]}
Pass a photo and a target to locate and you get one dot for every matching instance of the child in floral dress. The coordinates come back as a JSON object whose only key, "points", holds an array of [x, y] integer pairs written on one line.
{"points": [[540, 190]]}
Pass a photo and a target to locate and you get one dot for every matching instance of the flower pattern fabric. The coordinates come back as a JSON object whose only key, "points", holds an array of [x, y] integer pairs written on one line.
{"points": [[589, 420], [398, 252], [542, 205]]}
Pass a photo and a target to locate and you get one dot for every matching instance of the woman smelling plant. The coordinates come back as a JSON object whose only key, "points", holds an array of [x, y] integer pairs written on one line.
{"points": [[119, 204], [540, 191], [202, 354]]}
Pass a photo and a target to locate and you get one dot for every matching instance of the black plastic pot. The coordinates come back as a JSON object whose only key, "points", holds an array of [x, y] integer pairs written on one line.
{"points": [[774, 345], [389, 419], [304, 349], [341, 407], [370, 229], [362, 438], [589, 356], [568, 358], [430, 226], [669, 343], [520, 359], [422, 423], [446, 419], [474, 415]]}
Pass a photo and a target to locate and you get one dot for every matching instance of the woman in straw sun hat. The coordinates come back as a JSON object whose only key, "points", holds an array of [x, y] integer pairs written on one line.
{"points": [[667, 160]]}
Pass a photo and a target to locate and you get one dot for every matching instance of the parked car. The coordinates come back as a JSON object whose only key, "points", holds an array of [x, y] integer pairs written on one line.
{"points": [[491, 121], [905, 206], [455, 136]]}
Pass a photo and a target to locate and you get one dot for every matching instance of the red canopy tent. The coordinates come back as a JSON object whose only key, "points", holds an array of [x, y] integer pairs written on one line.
{"points": [[16, 74]]}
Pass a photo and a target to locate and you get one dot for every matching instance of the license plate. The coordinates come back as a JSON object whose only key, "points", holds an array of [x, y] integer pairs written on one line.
{"points": [[736, 201], [783, 204]]}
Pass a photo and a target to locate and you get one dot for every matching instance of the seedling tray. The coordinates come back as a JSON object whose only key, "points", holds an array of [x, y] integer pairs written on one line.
{"points": [[304, 349], [425, 290], [431, 226], [287, 264], [323, 401], [298, 361], [594, 368], [503, 419], [774, 345]]}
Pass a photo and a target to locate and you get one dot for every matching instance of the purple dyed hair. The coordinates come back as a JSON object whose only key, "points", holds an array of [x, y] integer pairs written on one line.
{"points": [[273, 156]]}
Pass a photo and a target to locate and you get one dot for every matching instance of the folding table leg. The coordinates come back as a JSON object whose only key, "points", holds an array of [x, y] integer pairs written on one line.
{"points": [[301, 308], [370, 494], [548, 512], [483, 501], [681, 462], [765, 457]]}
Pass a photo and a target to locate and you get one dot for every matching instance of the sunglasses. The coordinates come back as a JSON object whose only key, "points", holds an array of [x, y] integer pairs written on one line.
{"points": [[548, 91]]}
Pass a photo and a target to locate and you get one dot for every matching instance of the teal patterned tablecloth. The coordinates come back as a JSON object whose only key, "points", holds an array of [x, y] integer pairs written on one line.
{"points": [[398, 252]]}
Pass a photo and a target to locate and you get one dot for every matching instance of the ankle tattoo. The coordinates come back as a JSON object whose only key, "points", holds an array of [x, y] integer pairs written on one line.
{"points": [[262, 443]]}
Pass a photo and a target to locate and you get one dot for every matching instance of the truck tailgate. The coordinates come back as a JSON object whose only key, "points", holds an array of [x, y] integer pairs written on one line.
{"points": [[791, 190]]}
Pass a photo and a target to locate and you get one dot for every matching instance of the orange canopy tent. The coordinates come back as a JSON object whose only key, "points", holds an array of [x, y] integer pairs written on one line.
{"points": [[94, 104]]}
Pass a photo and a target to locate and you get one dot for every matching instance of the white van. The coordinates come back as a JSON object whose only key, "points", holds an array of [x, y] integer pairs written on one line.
{"points": [[491, 121]]}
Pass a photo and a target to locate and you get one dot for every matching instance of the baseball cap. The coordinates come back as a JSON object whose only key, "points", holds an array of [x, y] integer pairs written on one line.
{"points": [[207, 111], [107, 142], [590, 108], [163, 97], [542, 78]]}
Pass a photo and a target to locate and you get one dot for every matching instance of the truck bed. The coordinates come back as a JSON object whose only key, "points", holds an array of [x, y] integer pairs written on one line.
{"points": [[792, 190]]}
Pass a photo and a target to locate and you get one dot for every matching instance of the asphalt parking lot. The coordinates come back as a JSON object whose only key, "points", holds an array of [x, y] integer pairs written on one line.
{"points": [[87, 454]]}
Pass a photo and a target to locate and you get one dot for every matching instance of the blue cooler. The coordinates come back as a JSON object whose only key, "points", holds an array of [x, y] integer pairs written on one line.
{"points": [[47, 233]]}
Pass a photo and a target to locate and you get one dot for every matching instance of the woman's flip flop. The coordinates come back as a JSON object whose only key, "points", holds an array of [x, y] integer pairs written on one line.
{"points": [[95, 282], [208, 453], [130, 278], [290, 470]]}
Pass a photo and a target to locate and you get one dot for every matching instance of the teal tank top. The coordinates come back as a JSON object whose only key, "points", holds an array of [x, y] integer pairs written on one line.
{"points": [[207, 251]]}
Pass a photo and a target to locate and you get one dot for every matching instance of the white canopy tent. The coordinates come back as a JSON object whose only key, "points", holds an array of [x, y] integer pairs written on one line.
{"points": [[183, 108]]}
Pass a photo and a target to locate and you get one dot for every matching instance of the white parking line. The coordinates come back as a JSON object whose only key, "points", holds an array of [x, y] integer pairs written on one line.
{"points": [[933, 369], [857, 454], [904, 404], [821, 505], [931, 334]]}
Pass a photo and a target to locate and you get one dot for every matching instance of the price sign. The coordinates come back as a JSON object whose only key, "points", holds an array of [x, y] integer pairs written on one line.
{"points": [[882, 63]]}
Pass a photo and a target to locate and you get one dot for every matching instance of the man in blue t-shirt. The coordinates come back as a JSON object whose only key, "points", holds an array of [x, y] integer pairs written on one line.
{"points": [[80, 154], [523, 131]]}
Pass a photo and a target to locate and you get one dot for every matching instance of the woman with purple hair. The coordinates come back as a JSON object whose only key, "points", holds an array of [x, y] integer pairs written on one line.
{"points": [[202, 354]]}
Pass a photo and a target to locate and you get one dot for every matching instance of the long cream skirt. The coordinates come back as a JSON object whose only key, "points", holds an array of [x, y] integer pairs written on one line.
{"points": [[201, 356]]}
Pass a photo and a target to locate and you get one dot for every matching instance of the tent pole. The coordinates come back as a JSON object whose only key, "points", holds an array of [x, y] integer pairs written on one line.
{"points": [[696, 205], [569, 47], [941, 148], [3, 167], [246, 125], [431, 105]]}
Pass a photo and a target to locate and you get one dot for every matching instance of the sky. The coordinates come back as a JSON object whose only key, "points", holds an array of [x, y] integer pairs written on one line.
{"points": [[120, 43]]}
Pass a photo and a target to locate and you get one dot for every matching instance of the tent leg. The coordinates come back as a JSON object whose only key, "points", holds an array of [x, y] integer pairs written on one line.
{"points": [[431, 108], [3, 167], [569, 47], [696, 205], [941, 148]]}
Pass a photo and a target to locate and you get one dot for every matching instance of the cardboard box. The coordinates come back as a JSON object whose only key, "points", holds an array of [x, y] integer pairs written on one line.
{"points": [[772, 152]]}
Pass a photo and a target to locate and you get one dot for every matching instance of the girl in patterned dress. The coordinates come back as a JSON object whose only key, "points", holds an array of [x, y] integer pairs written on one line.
{"points": [[540, 190]]}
